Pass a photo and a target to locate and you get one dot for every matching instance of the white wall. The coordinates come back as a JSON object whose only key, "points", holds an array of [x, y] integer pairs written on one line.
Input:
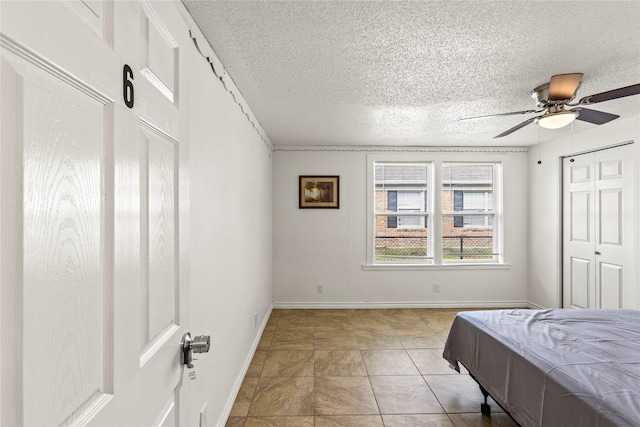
{"points": [[545, 205], [231, 234], [328, 247]]}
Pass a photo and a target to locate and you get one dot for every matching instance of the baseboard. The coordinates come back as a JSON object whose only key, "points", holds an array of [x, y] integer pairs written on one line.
{"points": [[243, 372], [535, 306], [408, 304]]}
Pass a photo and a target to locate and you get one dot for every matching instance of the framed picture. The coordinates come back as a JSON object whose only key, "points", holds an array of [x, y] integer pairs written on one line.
{"points": [[319, 192]]}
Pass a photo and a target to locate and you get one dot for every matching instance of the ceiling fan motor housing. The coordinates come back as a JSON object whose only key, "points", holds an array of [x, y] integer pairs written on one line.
{"points": [[541, 95]]}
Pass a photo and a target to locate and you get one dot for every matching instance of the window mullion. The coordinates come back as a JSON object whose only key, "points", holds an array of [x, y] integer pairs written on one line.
{"points": [[436, 230]]}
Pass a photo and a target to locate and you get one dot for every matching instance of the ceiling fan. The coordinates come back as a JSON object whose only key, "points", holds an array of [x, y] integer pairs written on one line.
{"points": [[552, 99]]}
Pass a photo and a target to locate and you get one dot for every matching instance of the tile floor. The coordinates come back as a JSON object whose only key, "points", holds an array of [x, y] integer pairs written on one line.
{"points": [[358, 368]]}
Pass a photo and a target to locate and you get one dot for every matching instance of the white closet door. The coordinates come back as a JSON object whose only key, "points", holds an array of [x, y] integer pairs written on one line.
{"points": [[578, 231], [93, 298], [598, 229]]}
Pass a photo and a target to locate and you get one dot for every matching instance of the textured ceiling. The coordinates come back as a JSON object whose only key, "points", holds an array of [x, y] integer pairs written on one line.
{"points": [[403, 73]]}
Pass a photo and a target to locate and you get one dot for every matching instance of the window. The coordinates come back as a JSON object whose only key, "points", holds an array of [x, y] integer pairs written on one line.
{"points": [[468, 211], [458, 225], [402, 188]]}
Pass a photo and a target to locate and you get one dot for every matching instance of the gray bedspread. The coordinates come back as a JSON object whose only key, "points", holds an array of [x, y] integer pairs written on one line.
{"points": [[554, 367]]}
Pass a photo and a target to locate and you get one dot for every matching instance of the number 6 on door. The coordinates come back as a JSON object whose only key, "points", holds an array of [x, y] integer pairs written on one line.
{"points": [[127, 85]]}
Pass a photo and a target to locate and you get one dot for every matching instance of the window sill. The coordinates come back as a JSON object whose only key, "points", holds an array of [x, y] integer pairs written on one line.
{"points": [[406, 267]]}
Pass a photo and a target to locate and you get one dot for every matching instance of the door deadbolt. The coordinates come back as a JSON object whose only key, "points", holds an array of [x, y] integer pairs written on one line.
{"points": [[199, 344]]}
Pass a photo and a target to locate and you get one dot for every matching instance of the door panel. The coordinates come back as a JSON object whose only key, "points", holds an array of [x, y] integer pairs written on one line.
{"points": [[160, 309], [63, 139], [579, 282], [168, 415], [159, 54], [92, 12], [610, 219], [610, 169], [610, 285], [580, 173], [580, 216]]}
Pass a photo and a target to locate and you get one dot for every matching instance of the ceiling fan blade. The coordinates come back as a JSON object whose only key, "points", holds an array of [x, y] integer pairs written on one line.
{"points": [[564, 86], [499, 115], [611, 94], [594, 116], [515, 128]]}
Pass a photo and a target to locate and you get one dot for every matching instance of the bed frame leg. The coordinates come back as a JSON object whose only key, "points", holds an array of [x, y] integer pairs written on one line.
{"points": [[485, 408]]}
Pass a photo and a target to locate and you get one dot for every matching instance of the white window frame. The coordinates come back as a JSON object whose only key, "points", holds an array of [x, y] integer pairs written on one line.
{"points": [[435, 207]]}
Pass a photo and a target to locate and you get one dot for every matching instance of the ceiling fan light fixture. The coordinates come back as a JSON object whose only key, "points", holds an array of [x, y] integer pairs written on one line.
{"points": [[557, 120]]}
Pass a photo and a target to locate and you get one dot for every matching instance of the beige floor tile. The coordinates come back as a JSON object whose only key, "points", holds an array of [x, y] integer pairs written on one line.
{"points": [[291, 363], [297, 320], [403, 325], [368, 340], [301, 344], [371, 324], [458, 393], [235, 422], [290, 333], [438, 318], [338, 312], [430, 361], [279, 422], [479, 420], [337, 342], [350, 421], [339, 363], [336, 321], [388, 362], [344, 396], [401, 313], [292, 315], [421, 341], [332, 338], [343, 330], [257, 363], [265, 341], [426, 420], [283, 396], [245, 397], [365, 312], [411, 329], [404, 395]]}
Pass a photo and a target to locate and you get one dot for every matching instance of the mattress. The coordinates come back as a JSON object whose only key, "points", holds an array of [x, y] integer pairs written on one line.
{"points": [[554, 367]]}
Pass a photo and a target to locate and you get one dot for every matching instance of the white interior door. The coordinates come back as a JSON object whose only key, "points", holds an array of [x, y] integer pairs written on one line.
{"points": [[598, 229], [93, 280]]}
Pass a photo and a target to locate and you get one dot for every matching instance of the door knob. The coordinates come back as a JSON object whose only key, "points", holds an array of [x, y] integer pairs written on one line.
{"points": [[199, 344]]}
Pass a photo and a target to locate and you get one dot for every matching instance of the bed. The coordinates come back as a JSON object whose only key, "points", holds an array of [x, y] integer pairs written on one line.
{"points": [[554, 367]]}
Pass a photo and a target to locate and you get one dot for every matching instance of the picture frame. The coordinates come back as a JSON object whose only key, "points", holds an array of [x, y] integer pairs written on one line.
{"points": [[319, 192]]}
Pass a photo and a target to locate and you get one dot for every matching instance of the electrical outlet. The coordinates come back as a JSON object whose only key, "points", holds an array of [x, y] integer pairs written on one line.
{"points": [[436, 287], [319, 289], [255, 319]]}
